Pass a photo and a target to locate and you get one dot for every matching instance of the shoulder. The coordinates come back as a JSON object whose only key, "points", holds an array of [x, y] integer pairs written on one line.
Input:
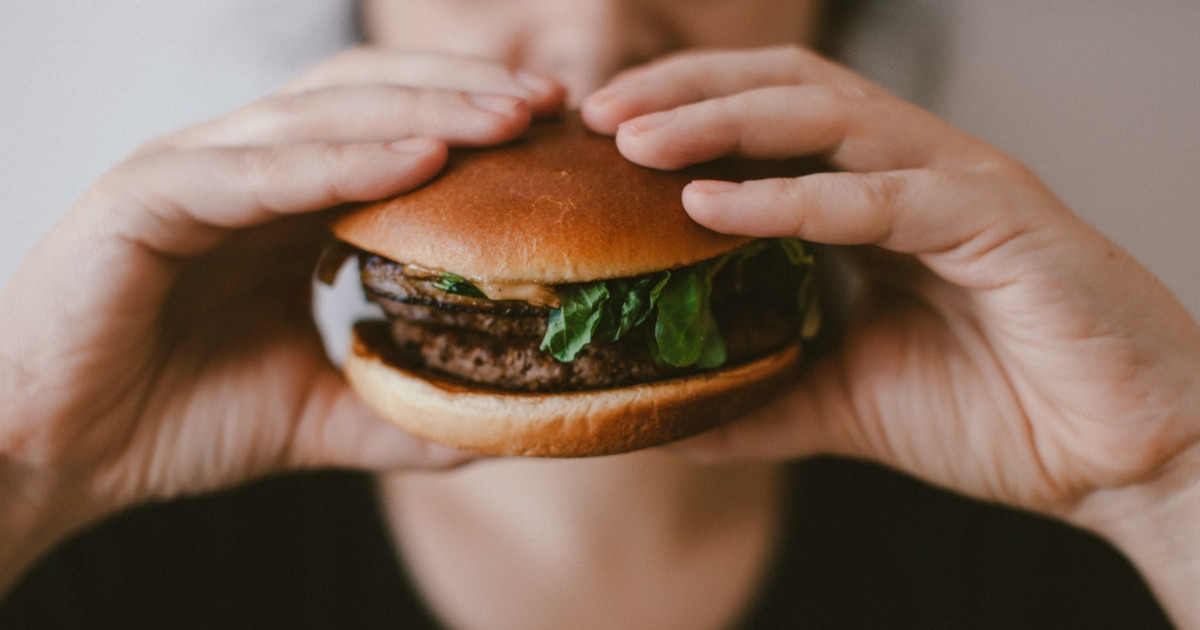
{"points": [[294, 551], [868, 547]]}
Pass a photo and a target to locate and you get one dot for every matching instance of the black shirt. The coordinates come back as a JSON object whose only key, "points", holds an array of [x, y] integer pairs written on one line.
{"points": [[866, 548]]}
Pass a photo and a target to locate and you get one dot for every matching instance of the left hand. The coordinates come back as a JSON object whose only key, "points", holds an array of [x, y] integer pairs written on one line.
{"points": [[1000, 347]]}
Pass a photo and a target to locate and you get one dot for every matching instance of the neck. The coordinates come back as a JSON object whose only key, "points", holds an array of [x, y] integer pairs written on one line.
{"points": [[641, 540]]}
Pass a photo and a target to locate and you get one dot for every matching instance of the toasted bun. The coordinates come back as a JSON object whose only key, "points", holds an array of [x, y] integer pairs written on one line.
{"points": [[572, 424], [559, 205]]}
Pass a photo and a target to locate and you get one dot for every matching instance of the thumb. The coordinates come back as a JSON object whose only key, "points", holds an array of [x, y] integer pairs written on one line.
{"points": [[815, 416], [340, 431]]}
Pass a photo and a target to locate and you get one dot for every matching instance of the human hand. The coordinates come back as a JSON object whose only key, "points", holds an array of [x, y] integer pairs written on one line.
{"points": [[159, 341], [999, 347]]}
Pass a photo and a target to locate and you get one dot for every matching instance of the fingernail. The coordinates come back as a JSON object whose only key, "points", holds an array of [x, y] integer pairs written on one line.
{"points": [[411, 145], [714, 187], [494, 103], [649, 121], [533, 82], [600, 97]]}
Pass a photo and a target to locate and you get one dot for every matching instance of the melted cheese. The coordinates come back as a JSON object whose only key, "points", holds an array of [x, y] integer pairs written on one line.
{"points": [[535, 294], [531, 292]]}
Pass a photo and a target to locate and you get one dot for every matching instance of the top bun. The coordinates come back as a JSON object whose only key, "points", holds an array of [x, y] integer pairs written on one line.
{"points": [[558, 205]]}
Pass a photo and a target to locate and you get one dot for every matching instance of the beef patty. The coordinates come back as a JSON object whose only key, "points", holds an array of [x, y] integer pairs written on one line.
{"points": [[497, 342]]}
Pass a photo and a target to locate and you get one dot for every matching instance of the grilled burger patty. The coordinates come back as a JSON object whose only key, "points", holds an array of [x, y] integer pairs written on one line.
{"points": [[497, 342]]}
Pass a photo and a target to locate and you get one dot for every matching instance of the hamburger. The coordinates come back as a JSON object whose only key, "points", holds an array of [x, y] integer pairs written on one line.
{"points": [[550, 298]]}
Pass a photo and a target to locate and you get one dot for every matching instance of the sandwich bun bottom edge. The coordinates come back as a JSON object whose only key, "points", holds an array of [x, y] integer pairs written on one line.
{"points": [[564, 424]]}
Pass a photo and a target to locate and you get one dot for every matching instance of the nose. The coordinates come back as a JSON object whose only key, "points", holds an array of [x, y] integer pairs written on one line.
{"points": [[583, 43]]}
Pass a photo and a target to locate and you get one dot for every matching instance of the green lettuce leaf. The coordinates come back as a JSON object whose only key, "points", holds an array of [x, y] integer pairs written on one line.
{"points": [[454, 283], [637, 301], [685, 332], [574, 324], [675, 306], [602, 311]]}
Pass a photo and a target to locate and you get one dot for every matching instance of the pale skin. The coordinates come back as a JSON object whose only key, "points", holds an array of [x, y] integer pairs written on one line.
{"points": [[1001, 347]]}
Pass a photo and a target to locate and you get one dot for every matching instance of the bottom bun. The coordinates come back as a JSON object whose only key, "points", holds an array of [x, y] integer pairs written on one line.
{"points": [[568, 424]]}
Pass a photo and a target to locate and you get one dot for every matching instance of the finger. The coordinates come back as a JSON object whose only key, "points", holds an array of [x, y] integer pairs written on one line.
{"points": [[971, 227], [121, 247], [169, 204], [692, 77], [855, 130], [362, 114], [370, 65]]}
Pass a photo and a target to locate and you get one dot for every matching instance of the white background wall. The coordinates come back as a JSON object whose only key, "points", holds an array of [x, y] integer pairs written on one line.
{"points": [[83, 83], [1102, 97]]}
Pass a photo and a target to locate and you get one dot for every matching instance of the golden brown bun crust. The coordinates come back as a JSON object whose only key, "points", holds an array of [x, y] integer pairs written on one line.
{"points": [[559, 205], [573, 424]]}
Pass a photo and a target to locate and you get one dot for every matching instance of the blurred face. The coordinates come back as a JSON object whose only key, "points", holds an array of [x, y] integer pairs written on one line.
{"points": [[584, 42]]}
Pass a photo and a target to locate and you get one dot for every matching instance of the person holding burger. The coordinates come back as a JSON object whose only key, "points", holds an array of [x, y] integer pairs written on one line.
{"points": [[159, 342]]}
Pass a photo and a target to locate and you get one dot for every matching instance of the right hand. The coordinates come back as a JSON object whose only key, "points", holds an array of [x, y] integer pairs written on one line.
{"points": [[159, 341]]}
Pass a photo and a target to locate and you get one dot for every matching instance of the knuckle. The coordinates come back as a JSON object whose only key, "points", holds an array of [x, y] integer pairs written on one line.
{"points": [[124, 185], [798, 191], [258, 171], [332, 68], [255, 166], [727, 123], [276, 177], [883, 191], [273, 116], [346, 172], [794, 54], [685, 56], [880, 205], [851, 92]]}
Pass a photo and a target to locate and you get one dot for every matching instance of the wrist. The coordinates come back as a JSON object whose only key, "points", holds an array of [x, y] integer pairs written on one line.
{"points": [[43, 498], [35, 515], [1156, 525], [40, 505]]}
